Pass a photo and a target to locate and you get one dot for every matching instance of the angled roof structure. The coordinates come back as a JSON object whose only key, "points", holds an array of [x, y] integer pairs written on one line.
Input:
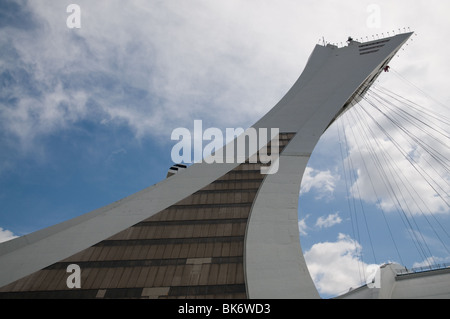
{"points": [[213, 229]]}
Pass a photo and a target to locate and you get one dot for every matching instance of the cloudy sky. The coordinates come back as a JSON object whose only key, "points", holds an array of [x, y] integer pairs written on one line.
{"points": [[86, 114]]}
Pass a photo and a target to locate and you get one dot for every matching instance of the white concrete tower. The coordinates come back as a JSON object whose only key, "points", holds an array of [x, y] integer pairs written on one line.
{"points": [[256, 255]]}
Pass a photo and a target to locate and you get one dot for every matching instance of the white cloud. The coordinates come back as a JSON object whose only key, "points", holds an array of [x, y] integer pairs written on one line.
{"points": [[302, 227], [336, 267], [6, 235], [328, 221], [432, 262], [322, 222], [54, 110], [322, 182]]}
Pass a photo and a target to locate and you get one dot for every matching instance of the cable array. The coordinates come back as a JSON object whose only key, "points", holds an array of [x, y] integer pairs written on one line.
{"points": [[399, 145]]}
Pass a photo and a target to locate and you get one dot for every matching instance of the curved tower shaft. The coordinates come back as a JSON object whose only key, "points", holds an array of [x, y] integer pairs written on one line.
{"points": [[334, 79]]}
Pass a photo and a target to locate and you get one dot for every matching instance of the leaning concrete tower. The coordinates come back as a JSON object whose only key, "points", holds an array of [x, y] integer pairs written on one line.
{"points": [[213, 229]]}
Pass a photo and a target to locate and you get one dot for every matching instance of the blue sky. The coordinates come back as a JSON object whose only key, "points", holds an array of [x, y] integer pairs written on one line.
{"points": [[86, 113]]}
